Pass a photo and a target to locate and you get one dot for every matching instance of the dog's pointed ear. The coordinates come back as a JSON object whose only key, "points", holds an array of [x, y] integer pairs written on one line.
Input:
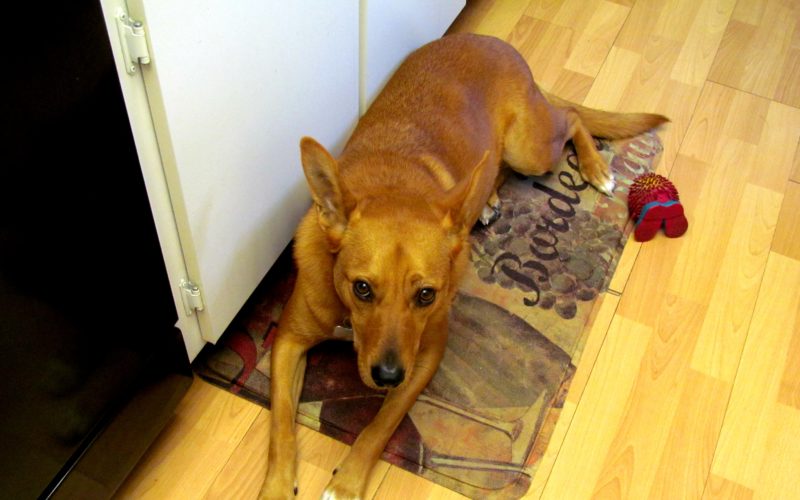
{"points": [[322, 174], [463, 203]]}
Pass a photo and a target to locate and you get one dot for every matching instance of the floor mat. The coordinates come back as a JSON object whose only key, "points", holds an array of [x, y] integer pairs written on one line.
{"points": [[517, 329]]}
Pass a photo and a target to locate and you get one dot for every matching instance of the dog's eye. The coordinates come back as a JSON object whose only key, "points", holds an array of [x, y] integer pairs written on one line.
{"points": [[362, 290], [426, 296]]}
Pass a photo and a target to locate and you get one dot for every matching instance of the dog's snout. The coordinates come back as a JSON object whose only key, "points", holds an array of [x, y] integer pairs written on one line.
{"points": [[388, 373]]}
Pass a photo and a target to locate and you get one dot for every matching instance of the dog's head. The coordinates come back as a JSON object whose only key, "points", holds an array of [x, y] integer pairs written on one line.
{"points": [[397, 261]]}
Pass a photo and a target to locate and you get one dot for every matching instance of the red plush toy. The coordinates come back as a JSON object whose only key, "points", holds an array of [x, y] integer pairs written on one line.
{"points": [[652, 203]]}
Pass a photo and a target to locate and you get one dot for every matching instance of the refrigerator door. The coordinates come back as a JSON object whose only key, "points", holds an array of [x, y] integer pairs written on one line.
{"points": [[231, 88]]}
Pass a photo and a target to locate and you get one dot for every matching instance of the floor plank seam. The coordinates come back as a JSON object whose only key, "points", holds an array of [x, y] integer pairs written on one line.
{"points": [[238, 444], [605, 60], [741, 353], [578, 403], [771, 99], [736, 375], [383, 479], [688, 127]]}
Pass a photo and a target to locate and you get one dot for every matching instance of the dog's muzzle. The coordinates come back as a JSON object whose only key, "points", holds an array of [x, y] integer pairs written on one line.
{"points": [[388, 373]]}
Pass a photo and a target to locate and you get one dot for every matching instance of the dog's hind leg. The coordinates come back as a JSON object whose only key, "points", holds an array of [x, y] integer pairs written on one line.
{"points": [[593, 167], [536, 133], [491, 212], [535, 140], [531, 146]]}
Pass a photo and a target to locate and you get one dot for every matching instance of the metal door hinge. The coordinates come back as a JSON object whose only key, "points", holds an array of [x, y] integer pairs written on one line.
{"points": [[192, 298], [133, 41]]}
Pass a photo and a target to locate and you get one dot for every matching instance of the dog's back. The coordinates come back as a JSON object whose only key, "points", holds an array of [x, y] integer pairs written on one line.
{"points": [[445, 106], [458, 97]]}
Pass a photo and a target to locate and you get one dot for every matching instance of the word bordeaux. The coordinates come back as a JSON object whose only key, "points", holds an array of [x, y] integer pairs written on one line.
{"points": [[544, 237]]}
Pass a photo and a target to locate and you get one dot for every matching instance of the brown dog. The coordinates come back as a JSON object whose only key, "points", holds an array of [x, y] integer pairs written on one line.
{"points": [[387, 239]]}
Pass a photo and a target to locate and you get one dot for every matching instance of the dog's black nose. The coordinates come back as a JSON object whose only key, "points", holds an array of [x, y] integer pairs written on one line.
{"points": [[388, 372]]}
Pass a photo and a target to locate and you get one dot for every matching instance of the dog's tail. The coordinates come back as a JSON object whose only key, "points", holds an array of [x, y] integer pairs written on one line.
{"points": [[609, 125]]}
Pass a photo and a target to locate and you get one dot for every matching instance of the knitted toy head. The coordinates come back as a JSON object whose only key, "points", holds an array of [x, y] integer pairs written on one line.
{"points": [[653, 203]]}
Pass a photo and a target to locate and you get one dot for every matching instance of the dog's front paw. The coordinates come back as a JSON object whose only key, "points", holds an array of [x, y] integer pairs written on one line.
{"points": [[491, 211], [489, 215], [278, 488], [336, 494], [338, 489]]}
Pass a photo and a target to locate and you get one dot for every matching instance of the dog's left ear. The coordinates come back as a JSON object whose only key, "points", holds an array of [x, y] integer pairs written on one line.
{"points": [[322, 174], [463, 203]]}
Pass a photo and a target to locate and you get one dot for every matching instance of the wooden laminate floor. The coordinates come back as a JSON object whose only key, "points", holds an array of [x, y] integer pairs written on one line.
{"points": [[690, 383]]}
